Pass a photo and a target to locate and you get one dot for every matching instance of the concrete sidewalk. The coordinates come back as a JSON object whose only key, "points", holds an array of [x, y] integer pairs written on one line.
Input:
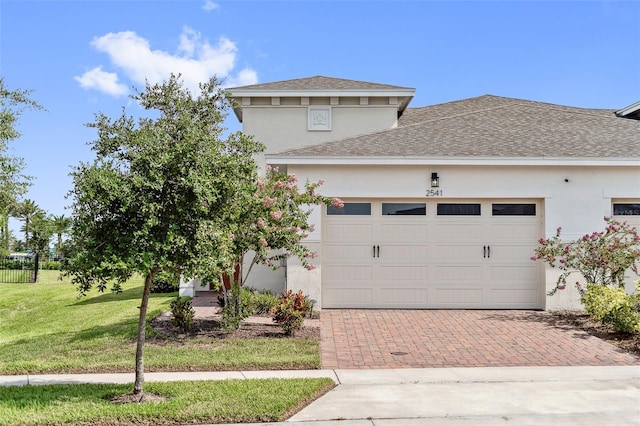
{"points": [[440, 396]]}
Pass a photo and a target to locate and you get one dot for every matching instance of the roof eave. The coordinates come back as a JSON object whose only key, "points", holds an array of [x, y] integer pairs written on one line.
{"points": [[404, 95], [453, 161], [630, 112]]}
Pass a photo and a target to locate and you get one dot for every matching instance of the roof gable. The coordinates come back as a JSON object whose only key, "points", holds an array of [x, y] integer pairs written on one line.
{"points": [[318, 86]]}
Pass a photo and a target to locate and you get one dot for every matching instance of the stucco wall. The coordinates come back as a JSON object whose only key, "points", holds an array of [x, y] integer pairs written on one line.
{"points": [[285, 127]]}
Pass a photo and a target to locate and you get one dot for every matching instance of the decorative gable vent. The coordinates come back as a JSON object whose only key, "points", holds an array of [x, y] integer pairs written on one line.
{"points": [[319, 118]]}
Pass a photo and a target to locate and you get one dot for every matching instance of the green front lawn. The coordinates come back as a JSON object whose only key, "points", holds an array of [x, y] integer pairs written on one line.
{"points": [[228, 401], [47, 328]]}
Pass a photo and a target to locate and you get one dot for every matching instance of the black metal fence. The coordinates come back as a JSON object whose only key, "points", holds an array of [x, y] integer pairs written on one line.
{"points": [[19, 268]]}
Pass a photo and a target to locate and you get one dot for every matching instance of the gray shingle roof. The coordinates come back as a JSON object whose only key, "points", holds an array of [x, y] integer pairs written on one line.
{"points": [[318, 82], [492, 126]]}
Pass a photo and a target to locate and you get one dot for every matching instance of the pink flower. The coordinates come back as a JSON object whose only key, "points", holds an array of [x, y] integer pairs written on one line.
{"points": [[533, 258], [276, 215], [260, 184], [321, 182], [292, 178], [310, 266], [279, 184], [268, 201], [263, 242], [337, 202], [261, 223], [312, 228]]}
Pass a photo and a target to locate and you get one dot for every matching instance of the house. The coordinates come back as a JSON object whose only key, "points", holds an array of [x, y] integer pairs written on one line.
{"points": [[444, 204]]}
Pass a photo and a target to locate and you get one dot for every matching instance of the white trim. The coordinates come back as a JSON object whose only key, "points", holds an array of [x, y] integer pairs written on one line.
{"points": [[488, 161], [401, 93]]}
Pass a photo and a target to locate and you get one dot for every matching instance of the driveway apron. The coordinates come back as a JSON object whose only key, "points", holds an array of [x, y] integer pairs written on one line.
{"points": [[354, 338]]}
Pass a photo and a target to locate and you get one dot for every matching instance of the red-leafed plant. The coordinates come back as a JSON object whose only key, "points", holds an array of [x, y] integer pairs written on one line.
{"points": [[290, 311]]}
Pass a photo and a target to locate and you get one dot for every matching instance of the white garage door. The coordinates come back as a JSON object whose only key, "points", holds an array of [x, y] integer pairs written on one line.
{"points": [[433, 254]]}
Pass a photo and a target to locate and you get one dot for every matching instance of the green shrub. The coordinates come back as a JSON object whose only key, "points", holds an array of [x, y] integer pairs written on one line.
{"points": [[234, 308], [50, 265], [183, 313], [165, 282], [290, 311], [259, 302], [613, 306], [16, 264]]}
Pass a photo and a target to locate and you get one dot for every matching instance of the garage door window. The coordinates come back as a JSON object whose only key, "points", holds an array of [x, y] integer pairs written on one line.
{"points": [[626, 209], [350, 209], [404, 209], [445, 209], [513, 209]]}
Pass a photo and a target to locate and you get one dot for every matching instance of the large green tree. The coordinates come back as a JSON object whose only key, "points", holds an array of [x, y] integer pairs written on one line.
{"points": [[13, 183], [150, 200]]}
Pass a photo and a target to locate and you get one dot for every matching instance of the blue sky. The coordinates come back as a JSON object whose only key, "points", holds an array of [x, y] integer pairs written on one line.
{"points": [[81, 57]]}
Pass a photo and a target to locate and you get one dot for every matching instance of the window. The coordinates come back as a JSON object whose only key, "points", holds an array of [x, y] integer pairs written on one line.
{"points": [[513, 209], [350, 209], [458, 209], [626, 209], [404, 209]]}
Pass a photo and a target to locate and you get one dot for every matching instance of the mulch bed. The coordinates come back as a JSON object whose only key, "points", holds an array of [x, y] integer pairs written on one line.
{"points": [[211, 328]]}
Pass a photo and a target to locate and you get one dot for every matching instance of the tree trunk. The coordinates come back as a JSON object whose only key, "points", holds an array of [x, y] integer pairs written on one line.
{"points": [[142, 326]]}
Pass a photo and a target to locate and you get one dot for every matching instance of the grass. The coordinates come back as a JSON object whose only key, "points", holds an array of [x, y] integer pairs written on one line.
{"points": [[188, 402], [47, 328], [15, 275]]}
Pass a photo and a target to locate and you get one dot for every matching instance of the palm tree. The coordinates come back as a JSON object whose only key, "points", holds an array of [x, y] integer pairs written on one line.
{"points": [[60, 225], [26, 211], [41, 232]]}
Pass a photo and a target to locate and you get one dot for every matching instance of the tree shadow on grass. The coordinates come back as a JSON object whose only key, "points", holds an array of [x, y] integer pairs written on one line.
{"points": [[26, 397]]}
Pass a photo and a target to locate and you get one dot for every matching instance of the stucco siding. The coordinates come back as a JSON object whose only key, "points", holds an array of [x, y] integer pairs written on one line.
{"points": [[285, 127]]}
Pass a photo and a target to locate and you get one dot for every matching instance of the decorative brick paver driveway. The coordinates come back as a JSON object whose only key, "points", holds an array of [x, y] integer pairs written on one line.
{"points": [[354, 338]]}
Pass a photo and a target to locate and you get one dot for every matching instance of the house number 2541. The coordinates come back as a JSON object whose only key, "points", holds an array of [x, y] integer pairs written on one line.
{"points": [[434, 192]]}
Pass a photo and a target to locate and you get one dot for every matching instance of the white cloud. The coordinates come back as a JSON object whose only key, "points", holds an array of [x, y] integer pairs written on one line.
{"points": [[106, 82], [210, 5], [196, 59], [244, 78]]}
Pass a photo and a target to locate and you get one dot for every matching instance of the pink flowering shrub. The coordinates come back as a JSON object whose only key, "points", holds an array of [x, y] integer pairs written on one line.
{"points": [[601, 258], [269, 221]]}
